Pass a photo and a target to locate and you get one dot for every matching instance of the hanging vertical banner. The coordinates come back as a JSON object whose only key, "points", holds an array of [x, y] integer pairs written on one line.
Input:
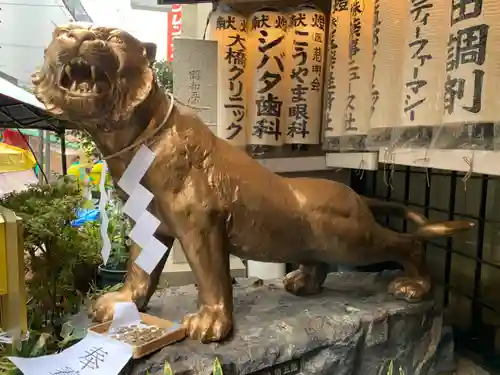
{"points": [[266, 73], [357, 110], [389, 26], [174, 29], [229, 30], [337, 80], [424, 65], [304, 63], [106, 242], [472, 68]]}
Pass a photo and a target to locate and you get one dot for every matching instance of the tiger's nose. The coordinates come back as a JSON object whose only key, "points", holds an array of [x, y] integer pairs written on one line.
{"points": [[82, 35]]}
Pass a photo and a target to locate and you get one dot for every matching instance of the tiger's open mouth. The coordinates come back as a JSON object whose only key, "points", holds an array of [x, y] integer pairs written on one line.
{"points": [[79, 78]]}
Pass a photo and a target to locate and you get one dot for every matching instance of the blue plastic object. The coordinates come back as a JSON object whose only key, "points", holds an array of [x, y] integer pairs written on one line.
{"points": [[84, 216]]}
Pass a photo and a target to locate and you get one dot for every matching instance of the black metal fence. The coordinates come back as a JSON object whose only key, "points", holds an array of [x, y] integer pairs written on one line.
{"points": [[466, 269]]}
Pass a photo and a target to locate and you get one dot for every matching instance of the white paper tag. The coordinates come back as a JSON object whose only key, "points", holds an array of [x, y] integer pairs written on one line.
{"points": [[136, 169], [125, 315], [106, 242], [138, 202], [144, 229], [150, 255]]}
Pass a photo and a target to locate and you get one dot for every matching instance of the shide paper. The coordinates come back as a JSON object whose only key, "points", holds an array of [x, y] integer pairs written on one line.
{"points": [[103, 201], [136, 208], [125, 315]]}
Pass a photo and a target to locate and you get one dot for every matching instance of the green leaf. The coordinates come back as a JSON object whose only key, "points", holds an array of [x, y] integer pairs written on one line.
{"points": [[167, 370], [40, 346], [70, 334], [217, 368], [390, 370]]}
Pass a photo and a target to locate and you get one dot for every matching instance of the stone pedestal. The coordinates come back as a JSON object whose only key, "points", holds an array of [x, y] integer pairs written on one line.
{"points": [[353, 327], [178, 272]]}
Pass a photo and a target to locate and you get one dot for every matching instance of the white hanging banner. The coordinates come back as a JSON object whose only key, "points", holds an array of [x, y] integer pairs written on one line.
{"points": [[229, 29], [337, 80], [304, 63], [106, 242], [358, 105], [472, 64], [389, 26], [266, 75], [136, 208], [424, 68]]}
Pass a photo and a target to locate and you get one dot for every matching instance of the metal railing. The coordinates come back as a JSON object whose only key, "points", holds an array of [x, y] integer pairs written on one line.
{"points": [[464, 268], [77, 10]]}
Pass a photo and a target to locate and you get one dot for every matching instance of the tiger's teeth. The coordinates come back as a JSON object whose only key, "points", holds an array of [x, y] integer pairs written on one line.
{"points": [[73, 86], [92, 72], [94, 88], [68, 71]]}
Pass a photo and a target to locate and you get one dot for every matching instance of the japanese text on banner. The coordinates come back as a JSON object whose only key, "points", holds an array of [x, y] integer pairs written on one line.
{"points": [[305, 61], [266, 69]]}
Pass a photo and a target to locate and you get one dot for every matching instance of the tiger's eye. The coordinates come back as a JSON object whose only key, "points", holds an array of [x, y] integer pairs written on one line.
{"points": [[115, 39]]}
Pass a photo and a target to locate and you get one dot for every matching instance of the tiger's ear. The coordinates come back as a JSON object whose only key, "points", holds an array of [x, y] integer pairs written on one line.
{"points": [[150, 51]]}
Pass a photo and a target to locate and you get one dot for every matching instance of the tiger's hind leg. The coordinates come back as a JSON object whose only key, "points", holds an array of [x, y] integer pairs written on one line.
{"points": [[307, 280], [416, 283]]}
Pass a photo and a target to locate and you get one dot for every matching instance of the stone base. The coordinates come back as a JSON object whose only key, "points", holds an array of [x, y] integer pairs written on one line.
{"points": [[353, 327], [177, 271], [177, 274]]}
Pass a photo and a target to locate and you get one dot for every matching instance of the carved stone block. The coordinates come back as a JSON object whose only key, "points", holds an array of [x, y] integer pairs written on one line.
{"points": [[352, 327]]}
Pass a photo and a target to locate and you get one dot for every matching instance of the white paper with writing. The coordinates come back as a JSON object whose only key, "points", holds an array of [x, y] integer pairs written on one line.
{"points": [[95, 354]]}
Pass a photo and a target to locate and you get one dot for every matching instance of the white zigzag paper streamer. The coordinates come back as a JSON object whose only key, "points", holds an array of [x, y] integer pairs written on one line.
{"points": [[136, 208], [103, 201]]}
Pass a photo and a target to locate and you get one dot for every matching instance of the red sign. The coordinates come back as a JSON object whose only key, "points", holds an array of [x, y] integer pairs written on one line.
{"points": [[15, 138], [174, 25]]}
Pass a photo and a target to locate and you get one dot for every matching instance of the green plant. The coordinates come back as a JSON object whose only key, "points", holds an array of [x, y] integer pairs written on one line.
{"points": [[217, 368], [167, 370], [118, 228], [164, 74], [86, 143], [55, 251], [36, 345], [390, 369]]}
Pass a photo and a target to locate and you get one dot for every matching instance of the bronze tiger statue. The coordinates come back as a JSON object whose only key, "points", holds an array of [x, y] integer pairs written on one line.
{"points": [[214, 198]]}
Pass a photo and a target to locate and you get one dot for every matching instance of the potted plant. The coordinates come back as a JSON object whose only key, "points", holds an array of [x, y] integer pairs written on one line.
{"points": [[115, 269], [55, 251]]}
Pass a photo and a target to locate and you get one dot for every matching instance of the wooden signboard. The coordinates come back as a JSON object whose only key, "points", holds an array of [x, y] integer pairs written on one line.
{"points": [[13, 312]]}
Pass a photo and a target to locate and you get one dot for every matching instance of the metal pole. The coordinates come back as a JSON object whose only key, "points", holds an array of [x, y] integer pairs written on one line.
{"points": [[47, 156], [40, 156], [64, 162]]}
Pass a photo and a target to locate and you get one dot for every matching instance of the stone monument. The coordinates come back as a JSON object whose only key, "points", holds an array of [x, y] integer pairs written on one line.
{"points": [[354, 327]]}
